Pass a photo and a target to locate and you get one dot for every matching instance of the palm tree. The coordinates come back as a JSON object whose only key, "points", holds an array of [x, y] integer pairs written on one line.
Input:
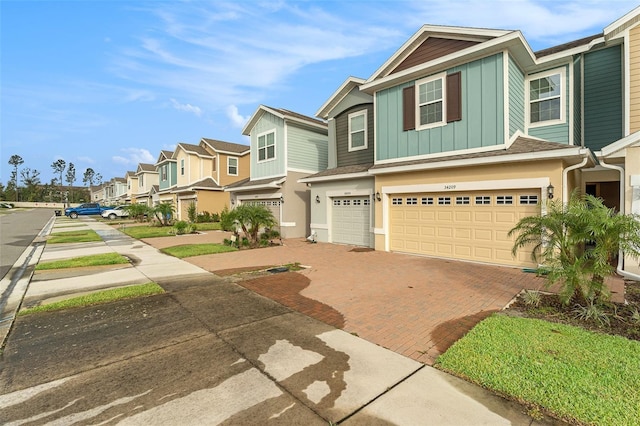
{"points": [[252, 218], [559, 237], [164, 212]]}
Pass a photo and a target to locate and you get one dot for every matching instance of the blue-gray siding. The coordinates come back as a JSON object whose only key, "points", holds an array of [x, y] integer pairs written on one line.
{"points": [[270, 168], [482, 121], [556, 132], [516, 98], [307, 150]]}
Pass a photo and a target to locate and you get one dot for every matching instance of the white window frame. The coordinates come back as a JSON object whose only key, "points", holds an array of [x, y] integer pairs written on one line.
{"points": [[443, 122], [366, 143], [163, 171], [562, 96], [237, 166], [265, 134], [182, 167]]}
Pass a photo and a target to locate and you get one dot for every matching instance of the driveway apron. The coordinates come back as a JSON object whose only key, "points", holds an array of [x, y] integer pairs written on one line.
{"points": [[415, 306]]}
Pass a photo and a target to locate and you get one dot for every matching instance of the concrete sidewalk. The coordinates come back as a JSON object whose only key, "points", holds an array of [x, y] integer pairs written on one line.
{"points": [[261, 362]]}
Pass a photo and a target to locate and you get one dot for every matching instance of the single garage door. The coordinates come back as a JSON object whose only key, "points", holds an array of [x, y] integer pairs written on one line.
{"points": [[273, 205], [350, 220], [467, 226]]}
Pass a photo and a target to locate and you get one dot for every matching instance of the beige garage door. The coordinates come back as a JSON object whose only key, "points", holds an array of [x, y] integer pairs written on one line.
{"points": [[468, 226], [350, 220]]}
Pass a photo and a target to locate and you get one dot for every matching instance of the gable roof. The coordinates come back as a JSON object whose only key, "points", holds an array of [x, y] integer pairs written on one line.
{"points": [[618, 147], [192, 149], [252, 185], [345, 88], [227, 147], [165, 155], [131, 174], [204, 184], [146, 168], [617, 28], [287, 116], [339, 173]]}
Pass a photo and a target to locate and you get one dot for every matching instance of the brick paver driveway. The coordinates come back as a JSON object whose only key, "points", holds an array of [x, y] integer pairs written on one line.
{"points": [[413, 305]]}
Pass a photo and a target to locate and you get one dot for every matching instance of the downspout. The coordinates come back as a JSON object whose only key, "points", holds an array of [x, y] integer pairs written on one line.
{"points": [[565, 173], [620, 170]]}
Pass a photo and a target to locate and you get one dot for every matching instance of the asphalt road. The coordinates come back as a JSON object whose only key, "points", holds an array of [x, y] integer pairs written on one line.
{"points": [[17, 230]]}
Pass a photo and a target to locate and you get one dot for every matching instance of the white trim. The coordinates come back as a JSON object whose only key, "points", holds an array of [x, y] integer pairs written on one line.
{"points": [[285, 142], [563, 98], [233, 154], [443, 122], [349, 193], [237, 166], [287, 224], [274, 196], [275, 184], [443, 155], [529, 156], [570, 103], [621, 21], [492, 185], [345, 88], [302, 171], [275, 144], [627, 83], [349, 118], [319, 226], [506, 95], [619, 145], [344, 176]]}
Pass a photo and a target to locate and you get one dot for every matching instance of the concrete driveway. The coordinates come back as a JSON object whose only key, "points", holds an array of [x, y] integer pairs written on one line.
{"points": [[415, 306]]}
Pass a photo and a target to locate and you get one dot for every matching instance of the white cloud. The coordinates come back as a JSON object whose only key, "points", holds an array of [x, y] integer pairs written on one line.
{"points": [[87, 160], [134, 156], [186, 107], [237, 120]]}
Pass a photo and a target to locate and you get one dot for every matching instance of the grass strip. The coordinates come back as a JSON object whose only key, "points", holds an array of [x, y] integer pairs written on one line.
{"points": [[84, 236], [146, 231], [572, 373], [189, 250], [82, 261], [97, 298]]}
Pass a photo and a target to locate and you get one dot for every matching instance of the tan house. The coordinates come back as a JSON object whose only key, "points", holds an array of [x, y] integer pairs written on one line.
{"points": [[202, 172], [147, 177]]}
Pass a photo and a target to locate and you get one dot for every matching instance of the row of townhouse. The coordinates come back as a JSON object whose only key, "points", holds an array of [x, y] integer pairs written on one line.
{"points": [[457, 136], [191, 174]]}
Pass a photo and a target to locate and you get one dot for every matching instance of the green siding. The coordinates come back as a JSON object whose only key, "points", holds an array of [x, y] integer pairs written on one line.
{"points": [[556, 132], [603, 101], [577, 101], [172, 175], [274, 167], [308, 150], [516, 98], [482, 116]]}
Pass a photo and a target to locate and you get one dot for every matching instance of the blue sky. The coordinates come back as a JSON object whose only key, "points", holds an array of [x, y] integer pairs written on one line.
{"points": [[108, 84]]}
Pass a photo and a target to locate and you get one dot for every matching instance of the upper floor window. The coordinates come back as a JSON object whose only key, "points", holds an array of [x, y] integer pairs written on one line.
{"points": [[182, 167], [267, 146], [431, 102], [141, 181], [214, 164], [546, 98], [358, 130], [232, 166], [163, 171]]}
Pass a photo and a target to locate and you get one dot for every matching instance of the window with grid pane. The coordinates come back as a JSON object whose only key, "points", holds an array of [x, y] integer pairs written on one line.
{"points": [[430, 102], [267, 146], [358, 130]]}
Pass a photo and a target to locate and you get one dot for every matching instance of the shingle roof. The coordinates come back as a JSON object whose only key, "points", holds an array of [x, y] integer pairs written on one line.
{"points": [[344, 170], [145, 167], [299, 116], [249, 183], [521, 145], [226, 146], [194, 148], [566, 46], [206, 183]]}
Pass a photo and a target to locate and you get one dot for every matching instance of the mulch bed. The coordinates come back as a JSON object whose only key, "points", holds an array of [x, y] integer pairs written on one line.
{"points": [[624, 319]]}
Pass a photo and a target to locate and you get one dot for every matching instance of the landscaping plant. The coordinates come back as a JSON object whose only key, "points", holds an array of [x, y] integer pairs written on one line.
{"points": [[138, 211], [192, 212], [164, 212], [252, 218], [577, 243]]}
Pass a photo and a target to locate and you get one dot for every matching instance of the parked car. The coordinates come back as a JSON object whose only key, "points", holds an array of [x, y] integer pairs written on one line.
{"points": [[84, 209], [4, 205], [115, 212]]}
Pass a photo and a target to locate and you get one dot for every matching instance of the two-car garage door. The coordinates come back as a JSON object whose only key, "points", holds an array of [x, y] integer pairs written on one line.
{"points": [[467, 226]]}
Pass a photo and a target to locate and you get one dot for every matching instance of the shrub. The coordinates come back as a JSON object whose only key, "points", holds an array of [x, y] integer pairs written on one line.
{"points": [[181, 227], [203, 217], [531, 298], [192, 212], [215, 217], [226, 220]]}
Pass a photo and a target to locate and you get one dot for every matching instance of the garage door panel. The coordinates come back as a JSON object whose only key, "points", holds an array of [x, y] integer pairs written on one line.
{"points": [[461, 229], [350, 221]]}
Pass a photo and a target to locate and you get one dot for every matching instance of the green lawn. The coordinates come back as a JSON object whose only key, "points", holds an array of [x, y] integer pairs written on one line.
{"points": [[574, 374], [105, 296], [147, 231], [189, 250], [92, 260], [84, 236]]}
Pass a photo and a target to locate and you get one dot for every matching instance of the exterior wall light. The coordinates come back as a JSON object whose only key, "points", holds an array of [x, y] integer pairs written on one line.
{"points": [[282, 199], [550, 192], [378, 197], [318, 199]]}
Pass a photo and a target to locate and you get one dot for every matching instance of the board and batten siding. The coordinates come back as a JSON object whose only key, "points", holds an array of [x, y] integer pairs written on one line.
{"points": [[634, 77], [481, 125], [516, 98], [275, 167], [577, 100], [603, 101], [363, 156], [307, 150], [556, 132]]}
